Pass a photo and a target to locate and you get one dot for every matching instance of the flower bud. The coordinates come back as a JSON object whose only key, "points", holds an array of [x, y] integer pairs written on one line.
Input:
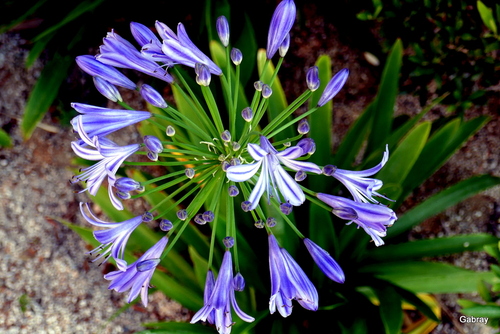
{"points": [[166, 225], [266, 91], [170, 131], [303, 127], [283, 49], [312, 78], [151, 95], [222, 27], [247, 114], [182, 214], [108, 90], [228, 242], [333, 87], [236, 56]]}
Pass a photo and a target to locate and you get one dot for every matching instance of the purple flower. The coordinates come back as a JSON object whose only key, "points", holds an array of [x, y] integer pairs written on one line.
{"points": [[152, 96], [288, 281], [114, 239], [100, 122], [361, 187], [312, 78], [136, 276], [272, 175], [373, 218], [325, 262], [217, 306], [333, 87], [281, 24], [179, 49], [97, 69], [118, 52], [110, 157]]}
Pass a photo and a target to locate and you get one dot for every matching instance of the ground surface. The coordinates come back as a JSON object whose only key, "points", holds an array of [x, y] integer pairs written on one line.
{"points": [[46, 282]]}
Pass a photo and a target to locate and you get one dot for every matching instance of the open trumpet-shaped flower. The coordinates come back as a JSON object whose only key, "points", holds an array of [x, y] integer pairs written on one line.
{"points": [[361, 187], [288, 281], [136, 276], [114, 239], [373, 218], [273, 176], [110, 157], [98, 121], [217, 307]]}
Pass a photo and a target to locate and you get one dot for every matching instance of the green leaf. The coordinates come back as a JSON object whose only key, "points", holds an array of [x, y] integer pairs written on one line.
{"points": [[429, 277], [80, 9], [405, 155], [390, 309], [247, 43], [413, 299], [386, 98], [465, 303], [200, 266], [439, 202], [177, 328], [487, 17], [44, 92], [439, 149], [431, 247], [5, 140], [485, 311], [484, 291]]}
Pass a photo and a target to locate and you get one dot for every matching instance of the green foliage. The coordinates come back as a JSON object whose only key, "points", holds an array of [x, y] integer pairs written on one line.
{"points": [[447, 44]]}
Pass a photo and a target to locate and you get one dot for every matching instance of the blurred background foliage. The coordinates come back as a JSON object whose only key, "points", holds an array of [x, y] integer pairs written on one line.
{"points": [[443, 48]]}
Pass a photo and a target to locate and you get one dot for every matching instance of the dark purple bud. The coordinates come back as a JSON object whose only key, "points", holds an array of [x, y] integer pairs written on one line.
{"points": [[333, 87], [247, 114], [182, 214], [108, 90], [306, 144], [312, 78], [228, 242], [147, 217], [328, 170], [236, 146], [286, 208], [266, 91], [150, 95], [203, 76], [235, 162], [166, 225], [300, 176], [271, 222], [126, 184], [226, 136], [222, 27], [208, 216], [225, 165], [153, 144], [233, 191], [236, 56], [198, 219], [283, 49], [246, 205], [259, 224], [238, 282], [123, 195], [303, 127], [153, 156]]}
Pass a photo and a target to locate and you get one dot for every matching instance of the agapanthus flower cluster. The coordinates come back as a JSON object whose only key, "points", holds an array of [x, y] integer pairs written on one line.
{"points": [[212, 153]]}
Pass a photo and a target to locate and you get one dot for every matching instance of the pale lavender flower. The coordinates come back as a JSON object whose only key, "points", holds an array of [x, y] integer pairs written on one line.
{"points": [[236, 56], [281, 24], [136, 276], [217, 307], [222, 27], [203, 76], [334, 86], [152, 96], [273, 176], [98, 121], [108, 90], [179, 49], [325, 262], [110, 157], [118, 52], [285, 45], [288, 281], [361, 187], [114, 239], [97, 69], [373, 218]]}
